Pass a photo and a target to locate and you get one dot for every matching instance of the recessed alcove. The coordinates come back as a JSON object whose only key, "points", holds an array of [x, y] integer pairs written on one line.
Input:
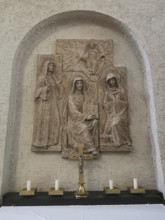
{"points": [[42, 168]]}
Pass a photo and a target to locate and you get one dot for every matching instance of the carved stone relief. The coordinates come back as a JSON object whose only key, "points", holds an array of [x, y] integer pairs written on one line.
{"points": [[81, 98], [48, 94]]}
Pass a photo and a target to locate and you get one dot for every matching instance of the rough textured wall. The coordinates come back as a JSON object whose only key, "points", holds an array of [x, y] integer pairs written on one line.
{"points": [[145, 19]]}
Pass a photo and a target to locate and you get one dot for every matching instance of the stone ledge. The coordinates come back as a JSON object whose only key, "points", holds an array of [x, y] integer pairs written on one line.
{"points": [[94, 198]]}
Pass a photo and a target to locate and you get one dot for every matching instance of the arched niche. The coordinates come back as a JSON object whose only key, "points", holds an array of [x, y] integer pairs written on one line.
{"points": [[144, 160]]}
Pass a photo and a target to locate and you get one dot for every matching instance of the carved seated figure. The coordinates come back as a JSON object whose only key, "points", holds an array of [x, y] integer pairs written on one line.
{"points": [[80, 128], [115, 106]]}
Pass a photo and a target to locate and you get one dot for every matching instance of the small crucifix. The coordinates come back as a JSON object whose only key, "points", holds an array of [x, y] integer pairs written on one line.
{"points": [[81, 193]]}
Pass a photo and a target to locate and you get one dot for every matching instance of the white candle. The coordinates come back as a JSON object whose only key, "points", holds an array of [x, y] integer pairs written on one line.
{"points": [[28, 185], [111, 184], [135, 183], [56, 184]]}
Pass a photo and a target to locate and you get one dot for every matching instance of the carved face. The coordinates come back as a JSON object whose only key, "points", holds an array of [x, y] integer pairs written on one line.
{"points": [[51, 67], [79, 84], [92, 55], [112, 82]]}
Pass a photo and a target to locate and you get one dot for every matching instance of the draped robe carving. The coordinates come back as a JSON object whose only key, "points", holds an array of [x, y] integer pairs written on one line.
{"points": [[96, 115]]}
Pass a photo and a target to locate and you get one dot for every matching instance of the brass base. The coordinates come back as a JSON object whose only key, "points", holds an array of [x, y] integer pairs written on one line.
{"points": [[139, 190], [53, 192], [81, 193], [24, 192], [113, 191], [78, 196]]}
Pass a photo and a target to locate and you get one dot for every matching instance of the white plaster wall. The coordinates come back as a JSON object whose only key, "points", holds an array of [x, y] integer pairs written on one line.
{"points": [[145, 19]]}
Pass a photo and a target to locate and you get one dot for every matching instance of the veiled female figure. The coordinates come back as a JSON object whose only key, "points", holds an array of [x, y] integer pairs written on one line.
{"points": [[46, 129], [115, 106], [80, 128]]}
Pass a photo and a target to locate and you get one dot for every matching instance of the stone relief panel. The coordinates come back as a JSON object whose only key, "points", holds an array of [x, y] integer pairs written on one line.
{"points": [[81, 98]]}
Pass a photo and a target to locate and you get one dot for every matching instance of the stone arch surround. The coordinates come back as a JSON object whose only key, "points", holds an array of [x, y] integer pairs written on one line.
{"points": [[31, 40]]}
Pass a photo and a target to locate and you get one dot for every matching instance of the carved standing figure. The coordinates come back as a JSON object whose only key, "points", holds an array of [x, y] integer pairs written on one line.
{"points": [[47, 119], [80, 128], [115, 106]]}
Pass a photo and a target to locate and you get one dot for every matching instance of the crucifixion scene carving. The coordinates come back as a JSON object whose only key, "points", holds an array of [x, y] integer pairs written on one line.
{"points": [[80, 98]]}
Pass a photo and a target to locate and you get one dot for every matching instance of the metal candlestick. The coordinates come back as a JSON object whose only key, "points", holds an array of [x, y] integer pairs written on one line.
{"points": [[114, 191], [139, 190], [81, 192], [25, 192], [53, 192]]}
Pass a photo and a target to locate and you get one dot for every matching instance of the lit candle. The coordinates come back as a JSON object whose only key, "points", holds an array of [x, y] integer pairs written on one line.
{"points": [[28, 185], [111, 184], [135, 183], [56, 184]]}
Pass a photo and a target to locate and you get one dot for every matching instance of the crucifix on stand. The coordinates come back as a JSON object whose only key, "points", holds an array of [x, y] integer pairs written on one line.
{"points": [[81, 192]]}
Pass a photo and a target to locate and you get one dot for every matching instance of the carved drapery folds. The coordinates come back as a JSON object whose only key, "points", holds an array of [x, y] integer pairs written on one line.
{"points": [[81, 98]]}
